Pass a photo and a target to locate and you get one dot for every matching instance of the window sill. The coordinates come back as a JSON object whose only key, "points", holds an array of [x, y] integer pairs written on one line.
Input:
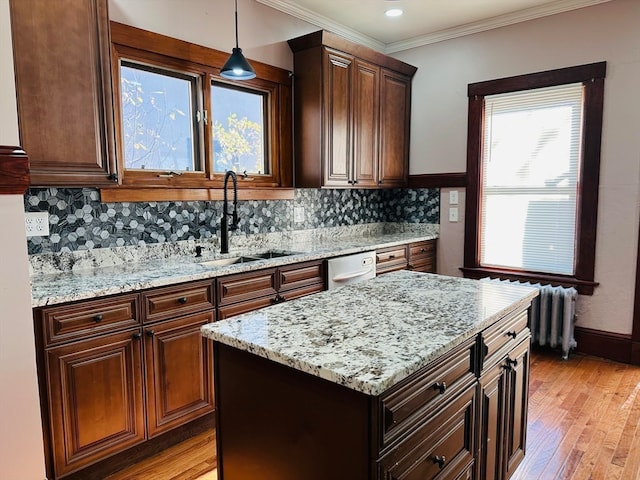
{"points": [[584, 287], [114, 195]]}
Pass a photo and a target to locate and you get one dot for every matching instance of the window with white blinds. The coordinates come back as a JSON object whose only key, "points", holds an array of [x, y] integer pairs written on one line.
{"points": [[529, 179]]}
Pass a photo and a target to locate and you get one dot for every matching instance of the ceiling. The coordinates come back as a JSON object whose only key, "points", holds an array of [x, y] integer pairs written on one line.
{"points": [[423, 22]]}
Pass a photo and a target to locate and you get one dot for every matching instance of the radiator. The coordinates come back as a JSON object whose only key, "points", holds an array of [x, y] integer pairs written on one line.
{"points": [[552, 317]]}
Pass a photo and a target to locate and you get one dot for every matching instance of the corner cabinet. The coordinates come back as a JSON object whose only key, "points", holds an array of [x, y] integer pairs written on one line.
{"points": [[359, 100], [63, 83]]}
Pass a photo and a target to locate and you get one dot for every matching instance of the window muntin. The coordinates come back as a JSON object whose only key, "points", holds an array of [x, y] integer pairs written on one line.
{"points": [[158, 109], [530, 171], [239, 125]]}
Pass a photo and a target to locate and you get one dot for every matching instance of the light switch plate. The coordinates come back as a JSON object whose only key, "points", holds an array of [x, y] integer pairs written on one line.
{"points": [[453, 214], [298, 214], [36, 224], [453, 197]]}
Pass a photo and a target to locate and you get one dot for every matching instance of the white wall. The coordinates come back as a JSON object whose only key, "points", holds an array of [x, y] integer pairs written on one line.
{"points": [[610, 32], [21, 449], [262, 30]]}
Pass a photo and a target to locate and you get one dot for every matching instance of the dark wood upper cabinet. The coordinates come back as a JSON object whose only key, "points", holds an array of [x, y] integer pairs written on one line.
{"points": [[63, 84], [351, 114]]}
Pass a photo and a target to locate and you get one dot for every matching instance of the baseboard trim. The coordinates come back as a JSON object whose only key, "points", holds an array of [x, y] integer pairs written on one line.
{"points": [[613, 346]]}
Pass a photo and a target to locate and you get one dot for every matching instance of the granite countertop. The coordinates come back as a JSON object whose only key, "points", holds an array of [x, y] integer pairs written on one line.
{"points": [[369, 336], [95, 279]]}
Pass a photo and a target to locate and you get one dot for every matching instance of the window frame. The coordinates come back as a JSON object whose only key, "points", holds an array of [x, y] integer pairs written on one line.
{"points": [[159, 51], [592, 77]]}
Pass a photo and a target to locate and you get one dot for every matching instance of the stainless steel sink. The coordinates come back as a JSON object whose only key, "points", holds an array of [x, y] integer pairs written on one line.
{"points": [[272, 254], [223, 262], [254, 257]]}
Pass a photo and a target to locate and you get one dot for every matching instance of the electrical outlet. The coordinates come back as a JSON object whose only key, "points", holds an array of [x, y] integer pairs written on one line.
{"points": [[298, 214], [453, 214], [36, 224], [453, 197]]}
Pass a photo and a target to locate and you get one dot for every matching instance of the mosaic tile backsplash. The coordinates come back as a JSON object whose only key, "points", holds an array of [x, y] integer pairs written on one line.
{"points": [[78, 221]]}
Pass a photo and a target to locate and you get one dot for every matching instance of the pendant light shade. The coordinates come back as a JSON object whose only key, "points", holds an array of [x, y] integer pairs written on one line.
{"points": [[237, 67]]}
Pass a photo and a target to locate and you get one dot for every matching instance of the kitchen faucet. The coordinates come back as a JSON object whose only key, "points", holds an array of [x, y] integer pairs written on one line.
{"points": [[224, 223]]}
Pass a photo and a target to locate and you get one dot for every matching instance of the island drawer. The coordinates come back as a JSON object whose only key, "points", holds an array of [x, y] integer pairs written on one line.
{"points": [[247, 286], [82, 319], [391, 259], [505, 334], [170, 302], [409, 403], [301, 275], [442, 448]]}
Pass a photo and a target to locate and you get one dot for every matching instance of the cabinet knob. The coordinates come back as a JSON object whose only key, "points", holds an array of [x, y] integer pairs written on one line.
{"points": [[513, 334], [97, 318], [440, 461], [137, 336], [150, 333], [441, 387], [392, 256], [182, 300], [422, 250], [512, 362]]}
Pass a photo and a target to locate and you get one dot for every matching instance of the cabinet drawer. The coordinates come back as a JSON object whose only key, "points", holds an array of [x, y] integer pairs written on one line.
{"points": [[422, 249], [163, 303], [390, 259], [505, 334], [84, 319], [410, 403], [233, 309], [301, 275], [441, 448], [427, 265], [247, 286]]}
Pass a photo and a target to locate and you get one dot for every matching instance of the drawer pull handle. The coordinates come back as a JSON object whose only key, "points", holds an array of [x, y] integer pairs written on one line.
{"points": [[392, 256], [440, 461], [97, 318], [422, 250], [511, 362], [441, 387], [137, 336], [182, 300], [150, 333], [513, 334]]}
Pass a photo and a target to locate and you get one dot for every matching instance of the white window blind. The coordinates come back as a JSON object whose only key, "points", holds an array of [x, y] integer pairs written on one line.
{"points": [[530, 172]]}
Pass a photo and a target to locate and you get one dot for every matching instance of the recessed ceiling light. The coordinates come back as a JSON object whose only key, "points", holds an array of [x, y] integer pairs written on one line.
{"points": [[393, 12]]}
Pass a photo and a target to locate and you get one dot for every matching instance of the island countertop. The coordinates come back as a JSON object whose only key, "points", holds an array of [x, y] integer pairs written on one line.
{"points": [[369, 336]]}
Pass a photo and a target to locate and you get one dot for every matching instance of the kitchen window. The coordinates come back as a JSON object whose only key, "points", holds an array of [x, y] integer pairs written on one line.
{"points": [[180, 125], [533, 168]]}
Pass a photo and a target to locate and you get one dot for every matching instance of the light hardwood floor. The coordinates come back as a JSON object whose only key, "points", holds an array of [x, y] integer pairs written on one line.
{"points": [[584, 424]]}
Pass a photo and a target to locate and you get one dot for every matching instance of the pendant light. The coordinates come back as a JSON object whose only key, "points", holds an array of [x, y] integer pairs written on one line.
{"points": [[237, 67]]}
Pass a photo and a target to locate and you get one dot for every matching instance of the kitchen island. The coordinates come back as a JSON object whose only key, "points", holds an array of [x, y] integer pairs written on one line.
{"points": [[391, 378]]}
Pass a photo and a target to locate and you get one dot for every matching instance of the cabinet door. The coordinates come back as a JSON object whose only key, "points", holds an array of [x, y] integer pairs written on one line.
{"points": [[516, 406], [366, 111], [179, 372], [492, 398], [95, 399], [63, 82], [337, 117], [395, 117]]}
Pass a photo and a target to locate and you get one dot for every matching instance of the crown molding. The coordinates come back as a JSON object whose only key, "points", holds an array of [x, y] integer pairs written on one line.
{"points": [[323, 22], [491, 23]]}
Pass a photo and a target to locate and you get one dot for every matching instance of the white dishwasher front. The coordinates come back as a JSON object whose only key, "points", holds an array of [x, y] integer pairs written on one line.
{"points": [[351, 269]]}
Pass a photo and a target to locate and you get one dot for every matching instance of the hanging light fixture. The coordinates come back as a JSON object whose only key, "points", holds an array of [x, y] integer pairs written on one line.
{"points": [[237, 67]]}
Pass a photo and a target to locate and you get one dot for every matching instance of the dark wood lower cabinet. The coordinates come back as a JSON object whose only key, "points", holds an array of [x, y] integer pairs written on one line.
{"points": [[95, 390], [178, 372], [503, 406]]}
